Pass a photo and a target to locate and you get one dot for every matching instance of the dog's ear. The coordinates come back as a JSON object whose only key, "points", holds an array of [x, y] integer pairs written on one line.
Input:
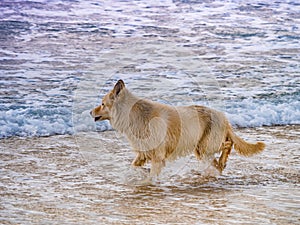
{"points": [[119, 86]]}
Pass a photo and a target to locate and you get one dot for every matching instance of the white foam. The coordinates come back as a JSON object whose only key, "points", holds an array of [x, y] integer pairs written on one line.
{"points": [[28, 122], [251, 113], [44, 122]]}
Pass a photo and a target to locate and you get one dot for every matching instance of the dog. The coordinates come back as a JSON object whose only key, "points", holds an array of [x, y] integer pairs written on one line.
{"points": [[159, 132]]}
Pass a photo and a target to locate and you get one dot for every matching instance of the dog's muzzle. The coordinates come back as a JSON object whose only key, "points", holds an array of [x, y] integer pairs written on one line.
{"points": [[96, 118]]}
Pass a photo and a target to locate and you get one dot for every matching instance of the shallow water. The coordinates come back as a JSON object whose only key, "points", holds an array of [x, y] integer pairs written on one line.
{"points": [[86, 179]]}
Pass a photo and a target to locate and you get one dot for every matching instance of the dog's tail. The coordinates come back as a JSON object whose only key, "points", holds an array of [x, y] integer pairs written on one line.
{"points": [[244, 148]]}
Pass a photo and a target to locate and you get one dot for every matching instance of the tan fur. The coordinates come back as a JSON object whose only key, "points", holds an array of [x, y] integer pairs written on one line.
{"points": [[159, 132], [244, 148]]}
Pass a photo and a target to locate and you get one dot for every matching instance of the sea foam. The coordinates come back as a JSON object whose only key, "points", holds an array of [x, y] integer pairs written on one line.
{"points": [[62, 120]]}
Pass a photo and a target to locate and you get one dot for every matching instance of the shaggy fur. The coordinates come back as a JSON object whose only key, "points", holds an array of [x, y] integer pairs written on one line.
{"points": [[159, 132]]}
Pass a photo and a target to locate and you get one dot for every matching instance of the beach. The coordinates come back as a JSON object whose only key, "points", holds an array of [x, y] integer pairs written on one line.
{"points": [[59, 58], [68, 179]]}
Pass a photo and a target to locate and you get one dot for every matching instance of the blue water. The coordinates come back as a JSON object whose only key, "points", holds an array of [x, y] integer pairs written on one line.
{"points": [[57, 58]]}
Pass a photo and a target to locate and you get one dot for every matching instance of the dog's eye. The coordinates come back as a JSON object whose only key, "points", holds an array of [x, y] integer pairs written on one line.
{"points": [[102, 104]]}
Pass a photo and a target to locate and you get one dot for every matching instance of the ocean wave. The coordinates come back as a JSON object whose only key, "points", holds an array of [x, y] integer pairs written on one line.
{"points": [[35, 122], [253, 113], [244, 55], [61, 120]]}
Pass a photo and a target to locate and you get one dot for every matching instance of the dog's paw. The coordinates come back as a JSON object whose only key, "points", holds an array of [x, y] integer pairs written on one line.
{"points": [[136, 176], [134, 181], [145, 182], [212, 171]]}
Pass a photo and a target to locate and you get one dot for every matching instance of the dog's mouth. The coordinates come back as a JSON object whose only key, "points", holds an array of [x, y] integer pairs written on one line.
{"points": [[97, 118]]}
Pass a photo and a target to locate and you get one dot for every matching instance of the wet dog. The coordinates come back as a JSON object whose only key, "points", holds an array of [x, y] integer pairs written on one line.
{"points": [[159, 132]]}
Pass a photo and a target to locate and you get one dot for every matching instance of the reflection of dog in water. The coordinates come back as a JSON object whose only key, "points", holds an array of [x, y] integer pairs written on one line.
{"points": [[159, 132]]}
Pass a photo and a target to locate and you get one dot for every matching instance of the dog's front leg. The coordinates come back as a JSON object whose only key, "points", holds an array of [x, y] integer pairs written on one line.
{"points": [[156, 166], [139, 160]]}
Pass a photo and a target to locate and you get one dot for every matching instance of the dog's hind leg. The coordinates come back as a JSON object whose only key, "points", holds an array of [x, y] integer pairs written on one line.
{"points": [[226, 149], [216, 164]]}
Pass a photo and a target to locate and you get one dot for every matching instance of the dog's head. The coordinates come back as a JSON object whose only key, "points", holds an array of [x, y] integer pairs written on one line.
{"points": [[103, 111]]}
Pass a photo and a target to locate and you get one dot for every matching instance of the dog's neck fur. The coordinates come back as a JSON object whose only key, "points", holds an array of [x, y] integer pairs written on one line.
{"points": [[121, 110]]}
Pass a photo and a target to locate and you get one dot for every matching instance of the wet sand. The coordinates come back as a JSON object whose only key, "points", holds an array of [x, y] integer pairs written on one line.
{"points": [[87, 179]]}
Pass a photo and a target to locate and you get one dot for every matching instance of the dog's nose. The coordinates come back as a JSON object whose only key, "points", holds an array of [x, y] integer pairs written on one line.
{"points": [[91, 113]]}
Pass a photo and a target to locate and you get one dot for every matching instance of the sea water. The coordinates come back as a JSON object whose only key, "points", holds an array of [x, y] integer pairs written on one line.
{"points": [[58, 59]]}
